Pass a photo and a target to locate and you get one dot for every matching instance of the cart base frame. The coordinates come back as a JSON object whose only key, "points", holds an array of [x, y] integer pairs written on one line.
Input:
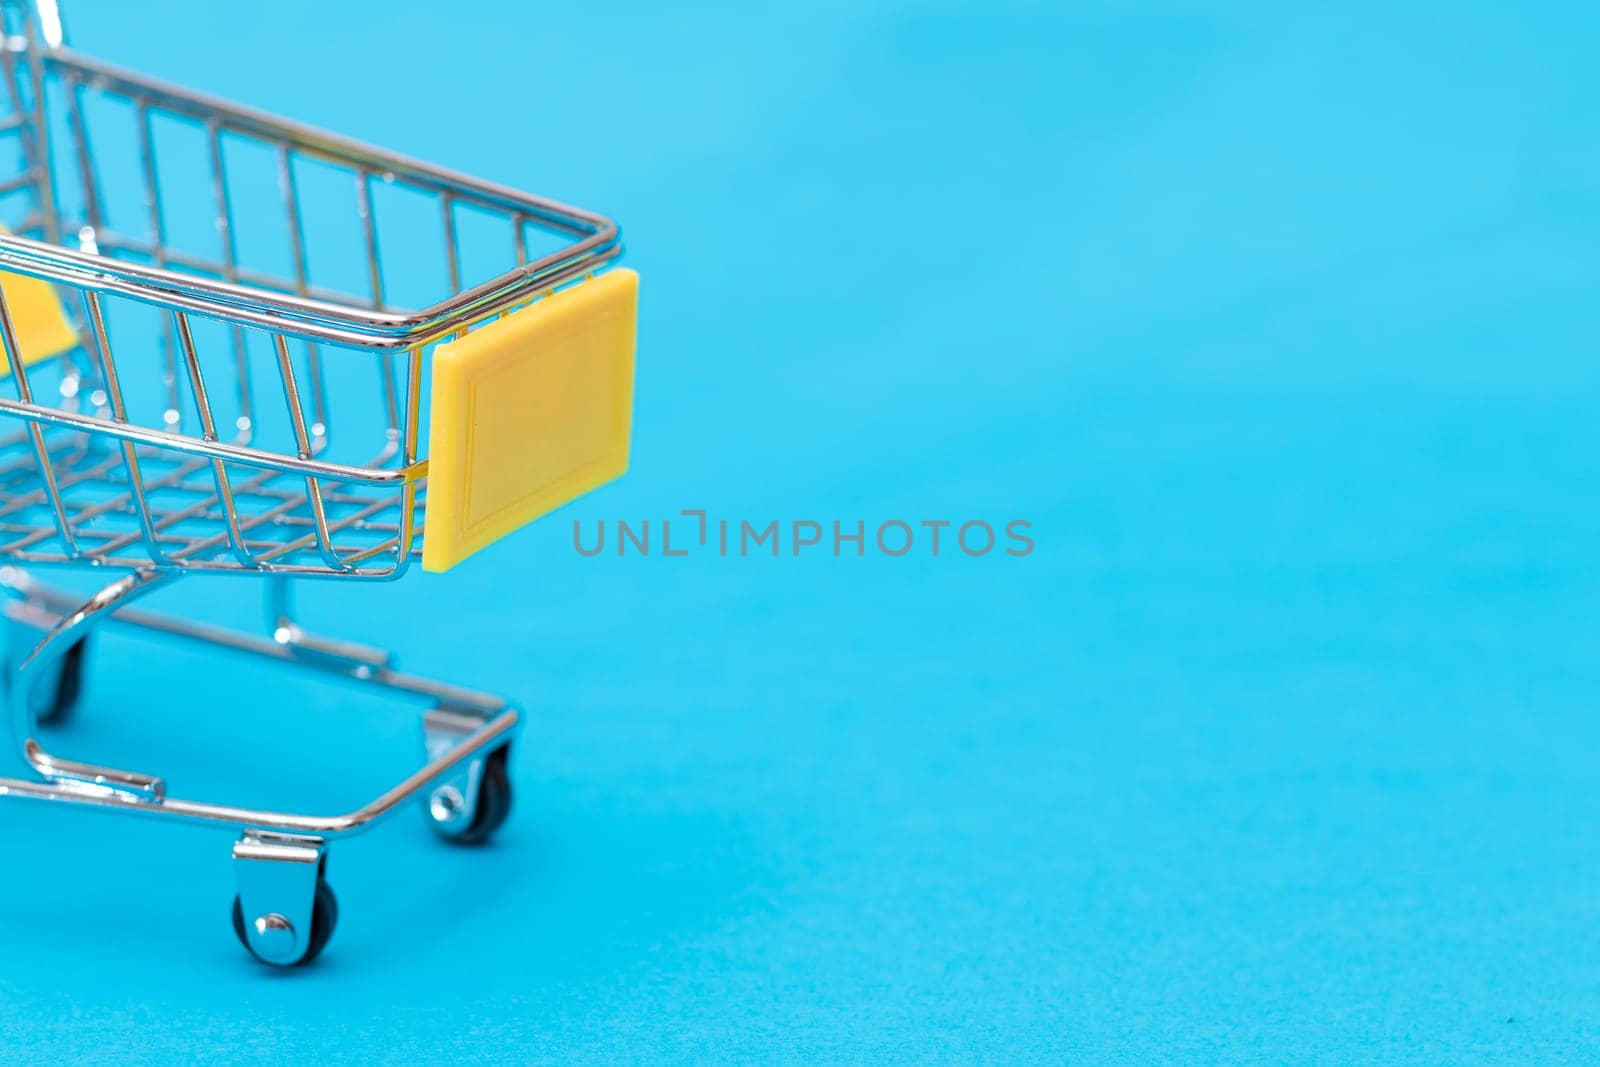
{"points": [[285, 911]]}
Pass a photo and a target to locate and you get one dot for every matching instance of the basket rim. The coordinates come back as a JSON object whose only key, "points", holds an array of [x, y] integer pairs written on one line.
{"points": [[308, 317]]}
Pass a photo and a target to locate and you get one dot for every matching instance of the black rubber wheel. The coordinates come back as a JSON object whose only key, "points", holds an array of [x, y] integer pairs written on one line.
{"points": [[324, 917], [56, 706], [494, 800]]}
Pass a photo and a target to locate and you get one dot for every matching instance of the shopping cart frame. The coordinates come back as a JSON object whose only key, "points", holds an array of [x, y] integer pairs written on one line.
{"points": [[284, 912]]}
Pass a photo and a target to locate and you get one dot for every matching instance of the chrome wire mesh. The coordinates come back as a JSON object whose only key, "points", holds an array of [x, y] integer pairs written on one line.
{"points": [[193, 426], [180, 512]]}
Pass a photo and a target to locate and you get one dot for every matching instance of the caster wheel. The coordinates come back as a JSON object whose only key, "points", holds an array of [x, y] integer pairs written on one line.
{"points": [[494, 802], [55, 697], [324, 917]]}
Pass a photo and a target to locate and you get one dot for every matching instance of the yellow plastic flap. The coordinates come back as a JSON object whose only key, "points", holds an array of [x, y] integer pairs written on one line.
{"points": [[37, 317], [528, 413]]}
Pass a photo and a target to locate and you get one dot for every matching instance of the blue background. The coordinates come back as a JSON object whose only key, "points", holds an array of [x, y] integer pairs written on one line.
{"points": [[1278, 326]]}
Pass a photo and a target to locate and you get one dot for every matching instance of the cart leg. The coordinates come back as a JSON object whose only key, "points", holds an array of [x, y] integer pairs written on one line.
{"points": [[31, 675], [362, 660], [285, 911], [465, 807], [57, 684], [469, 805]]}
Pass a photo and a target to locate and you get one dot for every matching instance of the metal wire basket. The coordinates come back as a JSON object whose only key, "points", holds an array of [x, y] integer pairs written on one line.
{"points": [[177, 392]]}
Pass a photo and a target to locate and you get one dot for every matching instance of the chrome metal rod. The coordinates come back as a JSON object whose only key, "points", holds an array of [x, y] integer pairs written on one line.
{"points": [[193, 811], [208, 430], [130, 791], [249, 457], [101, 345], [47, 474]]}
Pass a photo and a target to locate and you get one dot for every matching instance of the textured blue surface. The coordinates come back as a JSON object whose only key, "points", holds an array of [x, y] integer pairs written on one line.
{"points": [[1279, 328]]}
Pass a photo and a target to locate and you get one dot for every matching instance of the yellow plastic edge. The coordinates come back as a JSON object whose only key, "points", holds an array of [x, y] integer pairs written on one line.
{"points": [[37, 317], [529, 413]]}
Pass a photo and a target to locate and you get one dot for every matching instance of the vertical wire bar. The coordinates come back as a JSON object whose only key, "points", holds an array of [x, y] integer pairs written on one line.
{"points": [[47, 471], [302, 278], [173, 416], [386, 379], [519, 237], [30, 152], [291, 203], [21, 114], [319, 398], [408, 449], [408, 455], [230, 264], [297, 416], [451, 248], [130, 455], [79, 130], [85, 158], [208, 429], [391, 401], [369, 229], [50, 220]]}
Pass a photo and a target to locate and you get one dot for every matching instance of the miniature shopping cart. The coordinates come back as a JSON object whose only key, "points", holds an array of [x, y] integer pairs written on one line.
{"points": [[238, 345]]}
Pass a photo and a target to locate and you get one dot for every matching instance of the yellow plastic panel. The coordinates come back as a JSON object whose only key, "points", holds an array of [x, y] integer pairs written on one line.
{"points": [[36, 315], [529, 413]]}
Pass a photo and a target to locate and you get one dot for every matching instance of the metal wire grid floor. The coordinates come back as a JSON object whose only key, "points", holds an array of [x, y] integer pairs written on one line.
{"points": [[181, 500]]}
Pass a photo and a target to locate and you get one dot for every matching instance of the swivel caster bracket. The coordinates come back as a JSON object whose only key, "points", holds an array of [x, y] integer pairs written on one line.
{"points": [[469, 804], [281, 914]]}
